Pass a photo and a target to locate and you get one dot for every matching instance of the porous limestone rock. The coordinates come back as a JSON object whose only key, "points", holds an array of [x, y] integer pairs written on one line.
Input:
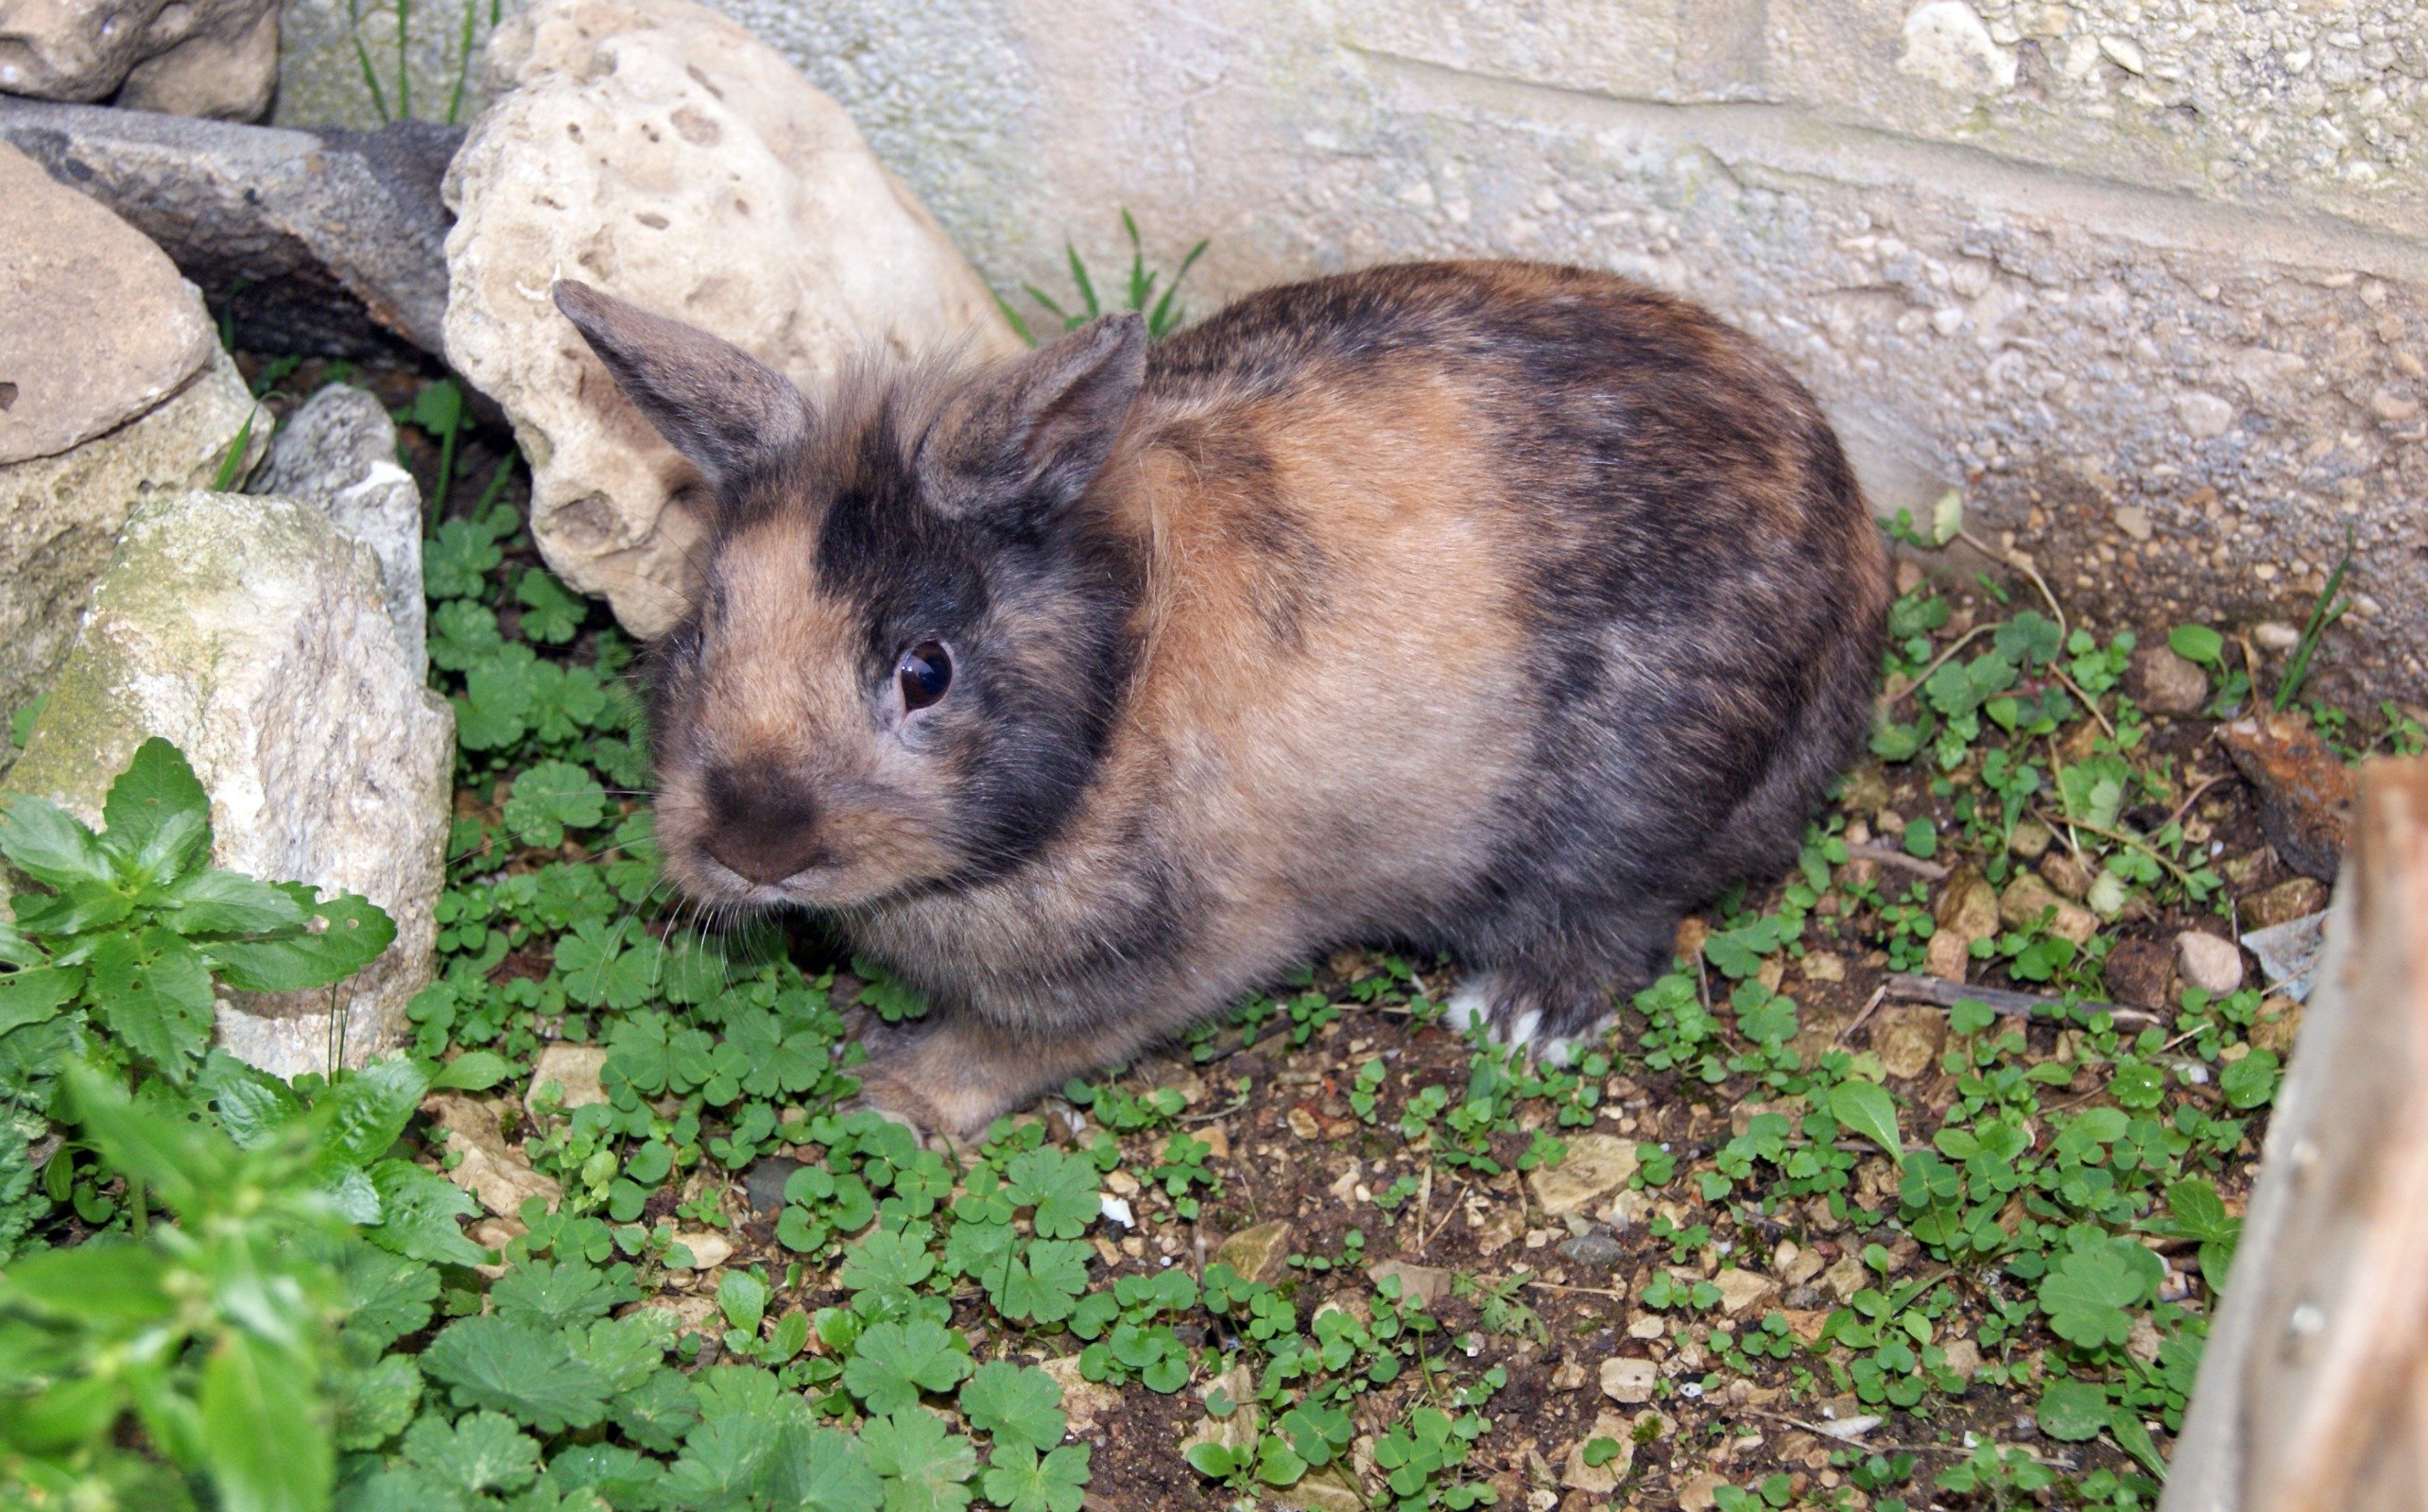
{"points": [[254, 635], [96, 324], [60, 516], [113, 389], [182, 57], [662, 153], [338, 451]]}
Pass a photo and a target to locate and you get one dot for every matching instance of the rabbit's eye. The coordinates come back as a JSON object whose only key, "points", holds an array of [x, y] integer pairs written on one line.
{"points": [[925, 672]]}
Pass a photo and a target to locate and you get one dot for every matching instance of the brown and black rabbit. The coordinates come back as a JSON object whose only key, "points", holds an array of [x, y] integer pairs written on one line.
{"points": [[1488, 608]]}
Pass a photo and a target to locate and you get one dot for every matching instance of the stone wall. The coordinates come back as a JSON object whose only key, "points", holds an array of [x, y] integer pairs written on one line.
{"points": [[2149, 280]]}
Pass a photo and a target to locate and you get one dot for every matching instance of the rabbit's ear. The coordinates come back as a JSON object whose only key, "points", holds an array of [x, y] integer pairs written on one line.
{"points": [[723, 409], [1034, 433]]}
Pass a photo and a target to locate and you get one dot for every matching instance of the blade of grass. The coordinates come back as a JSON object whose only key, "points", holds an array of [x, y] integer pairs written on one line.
{"points": [[1141, 281], [463, 62], [233, 460], [1019, 326], [362, 59], [1168, 314], [403, 68], [2323, 614], [1052, 308], [1087, 287], [496, 484]]}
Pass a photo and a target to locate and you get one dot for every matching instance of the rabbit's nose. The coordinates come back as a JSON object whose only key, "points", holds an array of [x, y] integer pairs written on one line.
{"points": [[765, 829]]}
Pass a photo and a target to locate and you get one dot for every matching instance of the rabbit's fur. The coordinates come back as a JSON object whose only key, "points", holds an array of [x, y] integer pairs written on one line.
{"points": [[1488, 608]]}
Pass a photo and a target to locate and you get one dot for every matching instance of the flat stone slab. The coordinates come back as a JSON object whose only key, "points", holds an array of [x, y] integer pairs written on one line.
{"points": [[326, 242]]}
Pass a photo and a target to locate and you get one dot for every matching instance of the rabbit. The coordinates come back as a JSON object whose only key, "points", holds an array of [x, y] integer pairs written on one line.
{"points": [[1492, 608]]}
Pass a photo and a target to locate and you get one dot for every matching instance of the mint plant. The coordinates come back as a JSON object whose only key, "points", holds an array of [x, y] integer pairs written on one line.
{"points": [[114, 946]]}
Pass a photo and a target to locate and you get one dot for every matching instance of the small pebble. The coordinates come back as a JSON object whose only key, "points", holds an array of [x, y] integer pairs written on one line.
{"points": [[1595, 1250], [2205, 961]]}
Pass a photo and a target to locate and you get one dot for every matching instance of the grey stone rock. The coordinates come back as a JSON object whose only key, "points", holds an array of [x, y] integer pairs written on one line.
{"points": [[254, 635], [764, 1183], [60, 515], [2165, 683], [662, 153], [338, 451], [183, 57], [97, 326], [316, 242], [1595, 1250]]}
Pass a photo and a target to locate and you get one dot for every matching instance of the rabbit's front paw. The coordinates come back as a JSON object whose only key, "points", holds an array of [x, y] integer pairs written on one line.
{"points": [[1526, 1019]]}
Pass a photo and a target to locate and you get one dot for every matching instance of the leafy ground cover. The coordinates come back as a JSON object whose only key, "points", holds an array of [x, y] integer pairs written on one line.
{"points": [[1777, 1241]]}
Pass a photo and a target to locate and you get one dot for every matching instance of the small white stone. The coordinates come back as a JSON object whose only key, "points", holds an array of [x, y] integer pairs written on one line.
{"points": [[1946, 44], [1629, 1382], [708, 1249], [2206, 961], [2125, 52], [1116, 1209], [2205, 416]]}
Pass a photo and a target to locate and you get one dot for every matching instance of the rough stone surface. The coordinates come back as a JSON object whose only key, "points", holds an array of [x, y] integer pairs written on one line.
{"points": [[2141, 974], [97, 326], [2206, 961], [183, 57], [1597, 1249], [328, 242], [1743, 1288], [1429, 1283], [1596, 1164], [488, 1167], [252, 634], [1909, 1037], [60, 516], [2165, 683], [338, 451], [1629, 1381], [575, 1070], [1846, 1278], [2025, 293], [657, 150], [1085, 1403], [708, 1249], [2305, 789], [1600, 1480], [2283, 903], [2027, 900], [1259, 1252]]}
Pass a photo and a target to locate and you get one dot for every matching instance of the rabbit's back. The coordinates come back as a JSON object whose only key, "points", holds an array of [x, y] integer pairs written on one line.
{"points": [[1581, 545], [1497, 608]]}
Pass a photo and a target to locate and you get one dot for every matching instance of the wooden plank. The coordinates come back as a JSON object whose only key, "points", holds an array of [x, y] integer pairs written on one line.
{"points": [[2313, 1396]]}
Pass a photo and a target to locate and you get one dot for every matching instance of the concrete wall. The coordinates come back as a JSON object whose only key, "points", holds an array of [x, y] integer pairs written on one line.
{"points": [[2148, 279]]}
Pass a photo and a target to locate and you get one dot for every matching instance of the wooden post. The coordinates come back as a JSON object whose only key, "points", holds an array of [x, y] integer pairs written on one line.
{"points": [[2313, 1396]]}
